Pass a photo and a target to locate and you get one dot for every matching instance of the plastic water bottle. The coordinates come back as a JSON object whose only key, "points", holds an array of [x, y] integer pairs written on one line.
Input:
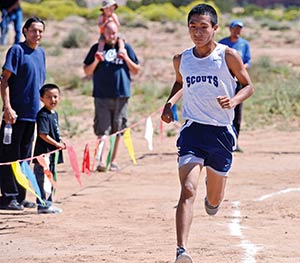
{"points": [[7, 133]]}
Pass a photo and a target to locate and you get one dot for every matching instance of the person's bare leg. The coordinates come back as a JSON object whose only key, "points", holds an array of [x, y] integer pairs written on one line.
{"points": [[103, 156], [99, 54], [101, 44], [121, 44], [215, 188], [189, 176], [115, 151]]}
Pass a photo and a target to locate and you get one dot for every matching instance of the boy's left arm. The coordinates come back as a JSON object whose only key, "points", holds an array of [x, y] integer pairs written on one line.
{"points": [[116, 19], [237, 68], [59, 145]]}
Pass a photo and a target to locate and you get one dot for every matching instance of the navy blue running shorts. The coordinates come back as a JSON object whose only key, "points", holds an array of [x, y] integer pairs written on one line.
{"points": [[208, 145]]}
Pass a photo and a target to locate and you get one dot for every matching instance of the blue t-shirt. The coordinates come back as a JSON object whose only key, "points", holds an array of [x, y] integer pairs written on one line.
{"points": [[28, 68], [111, 78], [241, 45]]}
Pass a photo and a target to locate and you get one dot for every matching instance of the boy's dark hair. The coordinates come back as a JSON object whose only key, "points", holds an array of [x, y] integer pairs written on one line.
{"points": [[204, 9], [47, 87], [31, 20]]}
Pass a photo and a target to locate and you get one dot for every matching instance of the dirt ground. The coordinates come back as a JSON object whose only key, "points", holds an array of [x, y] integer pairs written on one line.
{"points": [[128, 216]]}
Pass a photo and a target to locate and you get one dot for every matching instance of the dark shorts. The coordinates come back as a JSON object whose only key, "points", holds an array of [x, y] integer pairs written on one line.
{"points": [[110, 115], [207, 145]]}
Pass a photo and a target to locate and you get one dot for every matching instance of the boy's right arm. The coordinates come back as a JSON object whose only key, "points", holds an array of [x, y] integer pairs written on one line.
{"points": [[176, 92], [100, 20]]}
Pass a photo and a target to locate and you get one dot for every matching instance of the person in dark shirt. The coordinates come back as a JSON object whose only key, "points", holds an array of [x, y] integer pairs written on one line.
{"points": [[48, 140], [111, 88], [21, 103]]}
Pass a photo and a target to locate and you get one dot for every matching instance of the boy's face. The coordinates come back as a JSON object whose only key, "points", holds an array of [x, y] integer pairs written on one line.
{"points": [[108, 10], [201, 30], [51, 98]]}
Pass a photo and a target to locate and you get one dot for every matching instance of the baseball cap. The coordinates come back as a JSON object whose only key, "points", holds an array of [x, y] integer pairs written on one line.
{"points": [[236, 23]]}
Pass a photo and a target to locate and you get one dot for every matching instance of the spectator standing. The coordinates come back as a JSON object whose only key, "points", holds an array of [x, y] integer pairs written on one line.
{"points": [[23, 74], [242, 46], [111, 88], [11, 12], [48, 140]]}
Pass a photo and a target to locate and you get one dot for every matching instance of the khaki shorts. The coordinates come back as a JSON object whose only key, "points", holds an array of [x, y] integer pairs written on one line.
{"points": [[110, 115]]}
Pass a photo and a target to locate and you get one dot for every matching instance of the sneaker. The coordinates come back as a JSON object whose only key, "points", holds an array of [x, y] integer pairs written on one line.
{"points": [[182, 256], [238, 149], [114, 167], [28, 204], [49, 210], [13, 205], [210, 210]]}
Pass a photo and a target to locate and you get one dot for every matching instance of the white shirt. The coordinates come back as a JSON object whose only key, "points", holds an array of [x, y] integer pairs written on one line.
{"points": [[204, 79]]}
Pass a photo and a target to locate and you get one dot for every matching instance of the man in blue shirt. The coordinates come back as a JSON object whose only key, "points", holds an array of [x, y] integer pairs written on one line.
{"points": [[23, 74], [111, 88], [242, 46]]}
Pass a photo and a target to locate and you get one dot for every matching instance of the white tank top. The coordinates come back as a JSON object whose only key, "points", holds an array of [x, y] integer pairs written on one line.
{"points": [[204, 79]]}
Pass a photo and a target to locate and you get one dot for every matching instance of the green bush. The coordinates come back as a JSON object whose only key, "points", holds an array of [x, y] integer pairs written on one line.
{"points": [[126, 15], [250, 9], [148, 96], [160, 12], [277, 14], [75, 39], [186, 9], [276, 96], [54, 9], [133, 5], [291, 15], [225, 6], [154, 10], [35, 10]]}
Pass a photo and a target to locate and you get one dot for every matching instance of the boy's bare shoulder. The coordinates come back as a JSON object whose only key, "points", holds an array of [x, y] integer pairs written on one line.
{"points": [[177, 57], [231, 53]]}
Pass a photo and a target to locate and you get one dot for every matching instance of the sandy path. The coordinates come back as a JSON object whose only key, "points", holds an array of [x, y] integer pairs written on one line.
{"points": [[129, 216]]}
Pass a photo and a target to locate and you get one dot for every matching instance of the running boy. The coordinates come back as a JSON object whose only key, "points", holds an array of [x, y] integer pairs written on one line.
{"points": [[108, 14], [48, 139], [205, 76]]}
